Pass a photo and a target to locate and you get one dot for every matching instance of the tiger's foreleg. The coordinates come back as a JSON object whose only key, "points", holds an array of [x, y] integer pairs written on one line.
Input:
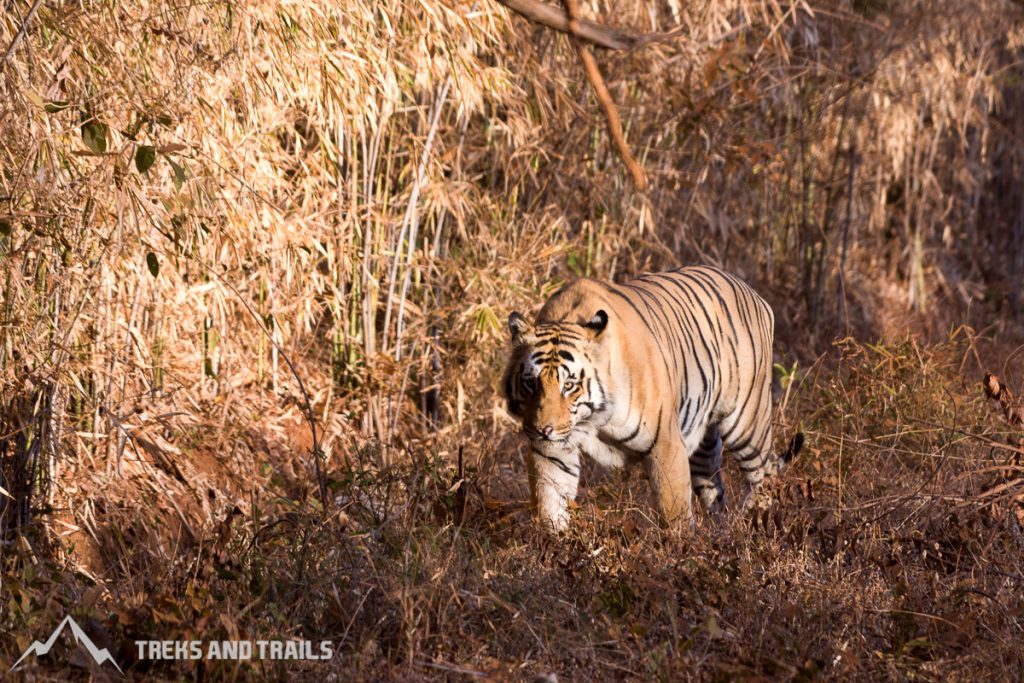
{"points": [[554, 471], [668, 470]]}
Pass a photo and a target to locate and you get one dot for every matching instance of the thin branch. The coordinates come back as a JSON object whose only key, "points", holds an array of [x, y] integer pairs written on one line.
{"points": [[20, 35], [604, 98], [321, 478], [589, 31]]}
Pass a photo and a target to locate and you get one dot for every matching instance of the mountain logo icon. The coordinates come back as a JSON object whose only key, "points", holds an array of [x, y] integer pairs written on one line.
{"points": [[99, 655]]}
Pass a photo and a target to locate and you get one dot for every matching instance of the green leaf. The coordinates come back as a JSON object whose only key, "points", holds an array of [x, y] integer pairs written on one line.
{"points": [[94, 135], [179, 173], [144, 157], [56, 106], [152, 263]]}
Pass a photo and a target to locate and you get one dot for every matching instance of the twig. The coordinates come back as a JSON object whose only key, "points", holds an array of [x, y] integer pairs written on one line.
{"points": [[20, 35], [980, 437], [982, 498], [590, 31], [604, 98], [841, 308], [306, 399], [451, 668]]}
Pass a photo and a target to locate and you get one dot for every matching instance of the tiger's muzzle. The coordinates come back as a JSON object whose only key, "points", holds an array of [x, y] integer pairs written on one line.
{"points": [[547, 432]]}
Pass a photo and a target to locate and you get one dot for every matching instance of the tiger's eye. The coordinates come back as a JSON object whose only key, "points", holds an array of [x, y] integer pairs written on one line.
{"points": [[568, 386]]}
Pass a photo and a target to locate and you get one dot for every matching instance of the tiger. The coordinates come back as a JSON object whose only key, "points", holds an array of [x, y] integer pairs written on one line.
{"points": [[668, 370]]}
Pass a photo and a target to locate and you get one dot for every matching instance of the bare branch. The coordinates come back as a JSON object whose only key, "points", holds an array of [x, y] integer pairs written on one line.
{"points": [[590, 31], [604, 98], [21, 32]]}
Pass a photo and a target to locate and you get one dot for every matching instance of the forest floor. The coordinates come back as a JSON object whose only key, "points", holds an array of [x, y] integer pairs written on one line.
{"points": [[893, 549]]}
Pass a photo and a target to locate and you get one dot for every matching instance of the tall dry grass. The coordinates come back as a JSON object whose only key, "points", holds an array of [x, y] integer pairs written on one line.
{"points": [[219, 220]]}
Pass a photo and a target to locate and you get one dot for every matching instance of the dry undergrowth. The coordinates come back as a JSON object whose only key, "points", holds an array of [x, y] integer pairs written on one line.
{"points": [[892, 549]]}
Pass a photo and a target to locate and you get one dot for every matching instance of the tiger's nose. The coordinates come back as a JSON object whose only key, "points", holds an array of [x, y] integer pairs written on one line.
{"points": [[546, 431]]}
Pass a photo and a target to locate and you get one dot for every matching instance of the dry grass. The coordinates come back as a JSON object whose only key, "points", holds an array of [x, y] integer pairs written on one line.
{"points": [[892, 550], [220, 223]]}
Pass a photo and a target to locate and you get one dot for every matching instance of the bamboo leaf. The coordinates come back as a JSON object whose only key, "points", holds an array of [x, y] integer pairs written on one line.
{"points": [[144, 157], [178, 174], [153, 264], [94, 134]]}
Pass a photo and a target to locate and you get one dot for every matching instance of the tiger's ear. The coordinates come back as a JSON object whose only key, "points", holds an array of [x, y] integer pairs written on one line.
{"points": [[520, 329], [597, 324]]}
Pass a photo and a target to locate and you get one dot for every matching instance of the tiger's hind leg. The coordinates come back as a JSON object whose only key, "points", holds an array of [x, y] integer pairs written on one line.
{"points": [[706, 471], [749, 443]]}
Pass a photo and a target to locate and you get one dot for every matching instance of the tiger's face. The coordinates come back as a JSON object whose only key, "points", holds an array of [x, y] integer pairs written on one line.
{"points": [[552, 382]]}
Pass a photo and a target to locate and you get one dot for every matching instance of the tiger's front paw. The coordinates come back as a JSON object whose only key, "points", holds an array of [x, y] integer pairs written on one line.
{"points": [[685, 524], [552, 511], [554, 522]]}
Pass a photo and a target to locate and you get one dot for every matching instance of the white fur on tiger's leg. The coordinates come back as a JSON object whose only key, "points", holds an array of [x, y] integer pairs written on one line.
{"points": [[554, 478]]}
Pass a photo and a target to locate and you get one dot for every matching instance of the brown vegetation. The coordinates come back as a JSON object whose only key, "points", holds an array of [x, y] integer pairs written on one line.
{"points": [[256, 259]]}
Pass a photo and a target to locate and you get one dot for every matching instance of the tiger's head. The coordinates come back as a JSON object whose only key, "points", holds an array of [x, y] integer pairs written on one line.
{"points": [[552, 382]]}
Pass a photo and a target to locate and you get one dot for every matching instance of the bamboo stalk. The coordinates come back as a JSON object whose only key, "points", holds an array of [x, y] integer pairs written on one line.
{"points": [[412, 218]]}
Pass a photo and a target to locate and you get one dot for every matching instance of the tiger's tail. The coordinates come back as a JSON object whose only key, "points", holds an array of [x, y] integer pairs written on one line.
{"points": [[796, 444]]}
